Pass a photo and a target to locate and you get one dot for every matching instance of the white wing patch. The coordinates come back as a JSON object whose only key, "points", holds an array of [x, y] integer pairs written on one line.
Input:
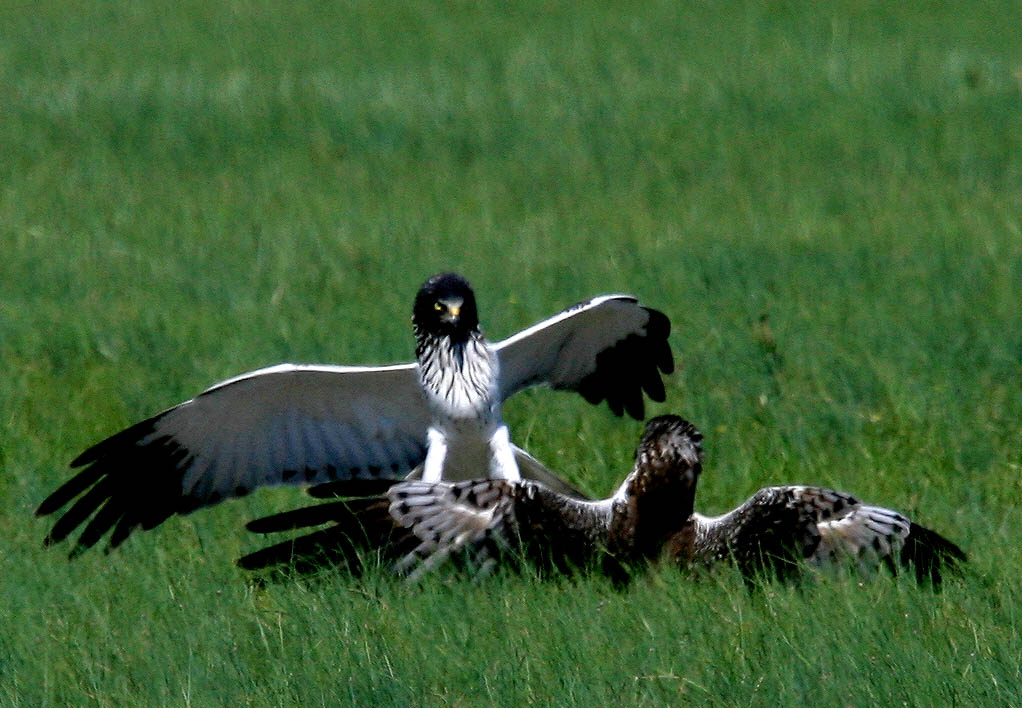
{"points": [[851, 530], [867, 534], [447, 517]]}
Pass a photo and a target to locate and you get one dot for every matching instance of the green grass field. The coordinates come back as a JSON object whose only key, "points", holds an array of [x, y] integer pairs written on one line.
{"points": [[826, 200]]}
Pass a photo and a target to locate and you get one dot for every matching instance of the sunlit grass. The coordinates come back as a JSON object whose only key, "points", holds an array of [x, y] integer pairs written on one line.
{"points": [[826, 204]]}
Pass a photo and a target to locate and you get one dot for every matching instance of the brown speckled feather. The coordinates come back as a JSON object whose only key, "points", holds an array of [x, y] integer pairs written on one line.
{"points": [[778, 530], [549, 529]]}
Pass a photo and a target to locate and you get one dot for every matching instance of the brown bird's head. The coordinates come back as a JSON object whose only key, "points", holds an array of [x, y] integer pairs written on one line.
{"points": [[658, 494]]}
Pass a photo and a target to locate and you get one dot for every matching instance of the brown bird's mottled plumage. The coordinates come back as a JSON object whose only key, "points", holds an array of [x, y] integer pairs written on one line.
{"points": [[650, 517], [504, 520]]}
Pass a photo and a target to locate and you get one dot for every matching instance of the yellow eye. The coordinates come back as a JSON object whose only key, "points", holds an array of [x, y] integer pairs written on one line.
{"points": [[438, 307]]}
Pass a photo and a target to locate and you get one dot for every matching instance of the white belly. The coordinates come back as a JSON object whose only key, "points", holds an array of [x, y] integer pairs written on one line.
{"points": [[467, 439], [470, 452]]}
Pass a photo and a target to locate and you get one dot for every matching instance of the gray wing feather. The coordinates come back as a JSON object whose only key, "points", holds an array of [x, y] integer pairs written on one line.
{"points": [[609, 348], [285, 424], [531, 468], [354, 422]]}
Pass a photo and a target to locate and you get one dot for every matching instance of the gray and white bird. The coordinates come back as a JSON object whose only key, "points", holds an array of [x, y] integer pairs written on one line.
{"points": [[651, 516], [342, 429]]}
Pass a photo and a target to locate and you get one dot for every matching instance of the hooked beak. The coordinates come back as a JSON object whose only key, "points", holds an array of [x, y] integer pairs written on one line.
{"points": [[453, 311]]}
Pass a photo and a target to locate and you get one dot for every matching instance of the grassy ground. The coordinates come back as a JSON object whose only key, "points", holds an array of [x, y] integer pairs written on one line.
{"points": [[825, 200]]}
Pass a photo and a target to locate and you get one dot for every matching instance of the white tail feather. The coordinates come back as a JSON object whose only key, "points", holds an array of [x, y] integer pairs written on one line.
{"points": [[866, 534]]}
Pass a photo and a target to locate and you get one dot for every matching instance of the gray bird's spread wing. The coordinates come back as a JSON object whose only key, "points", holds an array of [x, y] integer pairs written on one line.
{"points": [[285, 424], [609, 348]]}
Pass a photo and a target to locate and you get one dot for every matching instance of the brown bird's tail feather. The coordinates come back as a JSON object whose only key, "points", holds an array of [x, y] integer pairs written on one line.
{"points": [[929, 553]]}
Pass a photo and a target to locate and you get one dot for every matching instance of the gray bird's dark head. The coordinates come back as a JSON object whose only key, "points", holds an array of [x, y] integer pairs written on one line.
{"points": [[445, 307], [659, 494]]}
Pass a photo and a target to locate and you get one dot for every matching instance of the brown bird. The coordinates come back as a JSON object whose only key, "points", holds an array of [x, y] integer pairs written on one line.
{"points": [[649, 517]]}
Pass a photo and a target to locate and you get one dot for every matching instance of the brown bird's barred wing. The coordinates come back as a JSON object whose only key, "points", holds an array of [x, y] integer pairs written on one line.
{"points": [[780, 527], [447, 517], [355, 532], [931, 555]]}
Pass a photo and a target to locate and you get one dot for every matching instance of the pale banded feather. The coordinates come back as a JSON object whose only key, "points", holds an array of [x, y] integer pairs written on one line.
{"points": [[650, 516]]}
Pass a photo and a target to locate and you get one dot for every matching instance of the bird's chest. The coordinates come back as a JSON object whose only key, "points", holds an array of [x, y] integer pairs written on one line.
{"points": [[461, 387]]}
